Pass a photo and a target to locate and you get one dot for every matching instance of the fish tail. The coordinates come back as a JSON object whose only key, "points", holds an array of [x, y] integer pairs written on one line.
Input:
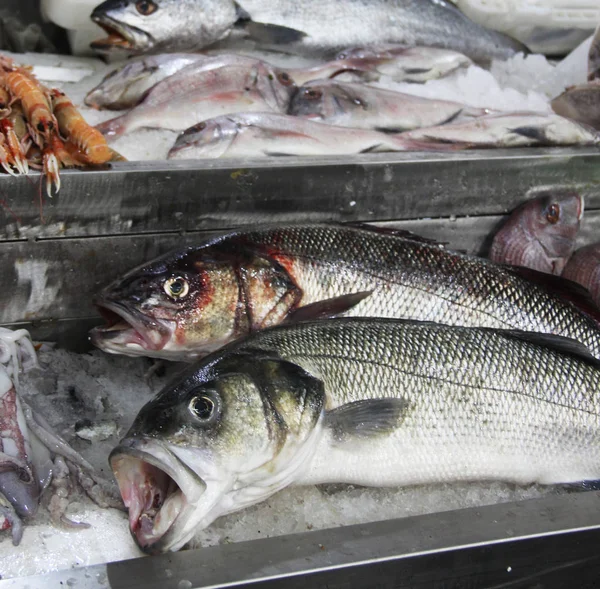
{"points": [[113, 127]]}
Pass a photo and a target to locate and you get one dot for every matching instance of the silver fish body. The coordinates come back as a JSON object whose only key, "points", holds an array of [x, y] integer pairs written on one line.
{"points": [[583, 267], [511, 130], [215, 86], [127, 85], [363, 401], [248, 280], [347, 104], [580, 103], [267, 134], [184, 25], [540, 234]]}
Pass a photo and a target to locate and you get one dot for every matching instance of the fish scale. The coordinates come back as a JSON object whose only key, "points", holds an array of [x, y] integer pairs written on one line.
{"points": [[422, 281], [534, 417]]}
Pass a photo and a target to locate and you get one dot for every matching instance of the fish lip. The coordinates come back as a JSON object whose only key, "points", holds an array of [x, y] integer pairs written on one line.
{"points": [[129, 38], [138, 323], [129, 449]]}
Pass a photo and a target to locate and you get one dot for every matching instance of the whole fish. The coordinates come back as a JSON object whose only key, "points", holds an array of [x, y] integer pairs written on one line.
{"points": [[192, 301], [594, 57], [363, 401], [511, 130], [584, 267], [580, 103], [215, 86], [361, 106], [541, 233], [155, 26], [126, 86], [265, 134]]}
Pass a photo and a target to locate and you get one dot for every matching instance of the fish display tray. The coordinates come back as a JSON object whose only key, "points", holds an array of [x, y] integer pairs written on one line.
{"points": [[55, 254]]}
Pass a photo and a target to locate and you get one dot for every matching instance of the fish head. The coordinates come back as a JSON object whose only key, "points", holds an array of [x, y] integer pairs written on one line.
{"points": [[189, 303], [227, 434], [275, 86], [207, 139], [152, 26], [325, 100], [114, 86], [554, 220]]}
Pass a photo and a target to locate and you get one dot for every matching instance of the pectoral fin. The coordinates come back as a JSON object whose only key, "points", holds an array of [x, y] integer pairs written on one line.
{"points": [[268, 34], [327, 308], [367, 418]]}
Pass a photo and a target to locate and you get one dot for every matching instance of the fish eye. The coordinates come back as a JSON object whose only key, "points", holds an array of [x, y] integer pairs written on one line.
{"points": [[284, 78], [342, 56], [313, 94], [202, 407], [176, 287], [553, 214], [146, 7]]}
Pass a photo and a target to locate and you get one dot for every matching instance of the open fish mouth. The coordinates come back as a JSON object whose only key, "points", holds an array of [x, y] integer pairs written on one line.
{"points": [[120, 36], [129, 330], [159, 491]]}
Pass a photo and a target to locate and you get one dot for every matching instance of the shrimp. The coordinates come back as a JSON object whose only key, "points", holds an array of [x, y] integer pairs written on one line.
{"points": [[4, 102], [93, 146], [16, 153]]}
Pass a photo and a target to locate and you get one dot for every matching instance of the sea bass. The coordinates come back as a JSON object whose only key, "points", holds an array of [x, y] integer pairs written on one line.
{"points": [[541, 233], [580, 103], [584, 267], [126, 86], [363, 401], [155, 26], [191, 302], [362, 106], [214, 86], [265, 134], [511, 130]]}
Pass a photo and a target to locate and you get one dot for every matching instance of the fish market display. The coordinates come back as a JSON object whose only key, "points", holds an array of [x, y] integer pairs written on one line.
{"points": [[580, 103], [127, 85], [41, 128], [510, 130], [265, 134], [348, 104], [190, 302], [541, 233], [310, 25], [212, 87], [584, 267], [363, 401]]}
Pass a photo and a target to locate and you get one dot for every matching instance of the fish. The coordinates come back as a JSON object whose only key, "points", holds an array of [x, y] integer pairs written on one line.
{"points": [[361, 401], [583, 267], [191, 301], [511, 130], [580, 103], [167, 26], [361, 106], [541, 233], [400, 63], [215, 86], [261, 134], [594, 57], [127, 85]]}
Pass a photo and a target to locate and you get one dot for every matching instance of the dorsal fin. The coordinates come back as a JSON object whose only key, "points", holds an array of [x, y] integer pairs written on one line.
{"points": [[559, 343], [567, 290], [393, 231]]}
